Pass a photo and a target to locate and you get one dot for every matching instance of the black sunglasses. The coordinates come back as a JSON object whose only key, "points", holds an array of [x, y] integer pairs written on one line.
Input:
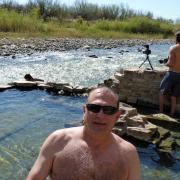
{"points": [[95, 108]]}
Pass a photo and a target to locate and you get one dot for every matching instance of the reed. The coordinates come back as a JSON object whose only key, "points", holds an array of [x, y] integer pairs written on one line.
{"points": [[31, 23], [11, 21], [136, 25]]}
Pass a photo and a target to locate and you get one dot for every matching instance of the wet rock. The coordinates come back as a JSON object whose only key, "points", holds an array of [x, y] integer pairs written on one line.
{"points": [[127, 109], [136, 121], [5, 87], [164, 121], [162, 133], [67, 88], [24, 84], [153, 128], [167, 144], [79, 90], [86, 47], [93, 56], [140, 133], [43, 86], [135, 125], [13, 57], [28, 77], [6, 54]]}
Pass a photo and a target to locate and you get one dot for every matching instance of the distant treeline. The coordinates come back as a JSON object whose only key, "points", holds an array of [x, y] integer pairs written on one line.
{"points": [[47, 15], [87, 11]]}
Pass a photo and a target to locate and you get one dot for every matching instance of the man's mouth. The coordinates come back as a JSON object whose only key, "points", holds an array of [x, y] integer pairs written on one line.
{"points": [[100, 123]]}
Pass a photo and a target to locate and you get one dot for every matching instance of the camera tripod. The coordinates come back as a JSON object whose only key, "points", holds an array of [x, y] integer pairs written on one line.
{"points": [[147, 59]]}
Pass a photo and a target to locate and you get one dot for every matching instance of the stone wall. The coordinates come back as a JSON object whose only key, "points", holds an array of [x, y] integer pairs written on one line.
{"points": [[141, 87]]}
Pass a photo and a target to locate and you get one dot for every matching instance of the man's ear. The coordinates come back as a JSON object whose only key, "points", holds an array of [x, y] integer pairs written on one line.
{"points": [[118, 114]]}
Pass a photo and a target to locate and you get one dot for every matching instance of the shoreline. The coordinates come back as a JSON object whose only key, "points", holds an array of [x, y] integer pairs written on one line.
{"points": [[11, 47]]}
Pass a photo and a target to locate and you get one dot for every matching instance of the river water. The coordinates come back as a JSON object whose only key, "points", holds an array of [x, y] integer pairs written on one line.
{"points": [[27, 117]]}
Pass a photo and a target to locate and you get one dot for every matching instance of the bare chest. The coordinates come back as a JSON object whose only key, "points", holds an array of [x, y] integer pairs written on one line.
{"points": [[74, 163]]}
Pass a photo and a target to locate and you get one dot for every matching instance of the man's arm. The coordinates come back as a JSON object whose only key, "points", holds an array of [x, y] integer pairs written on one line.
{"points": [[171, 58], [134, 164], [43, 164]]}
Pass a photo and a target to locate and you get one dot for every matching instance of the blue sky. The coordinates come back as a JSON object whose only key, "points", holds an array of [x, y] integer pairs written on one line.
{"points": [[169, 9]]}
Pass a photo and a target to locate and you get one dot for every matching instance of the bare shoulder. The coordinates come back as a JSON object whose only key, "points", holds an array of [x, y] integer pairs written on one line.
{"points": [[124, 145], [174, 48], [128, 152], [65, 134], [129, 156], [61, 137]]}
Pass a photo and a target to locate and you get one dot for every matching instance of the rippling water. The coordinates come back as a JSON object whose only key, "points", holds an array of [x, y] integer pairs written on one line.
{"points": [[27, 117], [76, 67]]}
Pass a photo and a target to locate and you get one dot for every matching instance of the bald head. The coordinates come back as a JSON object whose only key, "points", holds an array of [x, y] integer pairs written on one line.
{"points": [[104, 92]]}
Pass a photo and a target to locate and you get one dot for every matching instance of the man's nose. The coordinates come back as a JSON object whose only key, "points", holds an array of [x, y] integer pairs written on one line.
{"points": [[100, 113]]}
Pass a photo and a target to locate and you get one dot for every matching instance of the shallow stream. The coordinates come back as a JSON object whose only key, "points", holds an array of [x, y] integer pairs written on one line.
{"points": [[27, 117]]}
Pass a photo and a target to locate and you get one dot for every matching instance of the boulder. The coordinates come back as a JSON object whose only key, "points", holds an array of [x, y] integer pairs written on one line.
{"points": [[167, 145], [127, 109], [136, 121], [153, 128], [164, 121], [140, 133]]}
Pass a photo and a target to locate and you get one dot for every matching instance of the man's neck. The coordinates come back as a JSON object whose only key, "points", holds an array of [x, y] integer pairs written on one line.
{"points": [[97, 141]]}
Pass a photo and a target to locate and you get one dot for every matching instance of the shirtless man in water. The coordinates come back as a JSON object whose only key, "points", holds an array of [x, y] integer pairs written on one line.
{"points": [[92, 151], [170, 84]]}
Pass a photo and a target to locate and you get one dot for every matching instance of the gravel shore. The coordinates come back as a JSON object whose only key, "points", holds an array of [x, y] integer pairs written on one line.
{"points": [[10, 47]]}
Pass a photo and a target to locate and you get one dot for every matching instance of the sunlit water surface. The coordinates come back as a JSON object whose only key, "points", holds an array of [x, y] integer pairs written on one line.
{"points": [[76, 67], [27, 117]]}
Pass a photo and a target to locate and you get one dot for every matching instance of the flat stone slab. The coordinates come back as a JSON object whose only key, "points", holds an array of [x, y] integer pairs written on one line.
{"points": [[160, 119], [4, 87], [24, 83], [140, 133], [43, 86]]}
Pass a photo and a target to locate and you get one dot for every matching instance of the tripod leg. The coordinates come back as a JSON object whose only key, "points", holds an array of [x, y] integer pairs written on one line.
{"points": [[147, 59], [150, 64], [143, 62]]}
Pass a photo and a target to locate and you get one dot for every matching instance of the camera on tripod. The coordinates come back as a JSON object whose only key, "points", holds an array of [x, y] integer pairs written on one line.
{"points": [[163, 61], [147, 50]]}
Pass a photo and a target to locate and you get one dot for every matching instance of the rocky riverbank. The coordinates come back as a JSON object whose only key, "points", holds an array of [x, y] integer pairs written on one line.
{"points": [[11, 47]]}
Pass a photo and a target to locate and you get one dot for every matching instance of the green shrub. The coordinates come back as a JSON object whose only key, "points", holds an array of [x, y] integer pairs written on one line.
{"points": [[136, 25], [10, 21]]}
